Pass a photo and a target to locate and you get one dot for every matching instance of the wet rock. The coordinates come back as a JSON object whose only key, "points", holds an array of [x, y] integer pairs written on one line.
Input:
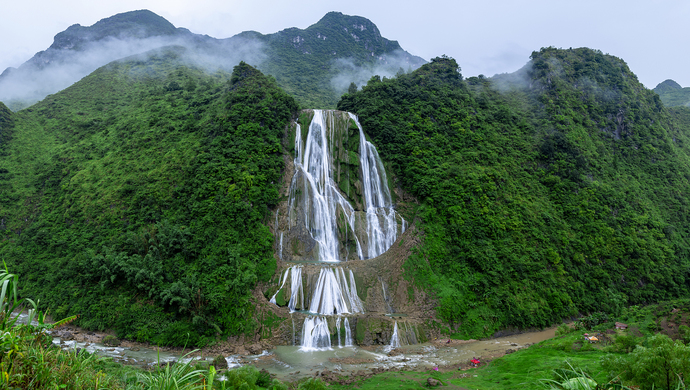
{"points": [[220, 363], [431, 382], [110, 341], [66, 336], [255, 349], [395, 352]]}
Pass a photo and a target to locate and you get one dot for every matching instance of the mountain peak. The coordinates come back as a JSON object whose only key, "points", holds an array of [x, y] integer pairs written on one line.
{"points": [[667, 86], [132, 24]]}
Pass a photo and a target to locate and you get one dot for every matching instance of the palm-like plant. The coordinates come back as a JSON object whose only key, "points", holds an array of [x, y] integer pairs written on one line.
{"points": [[174, 376], [572, 379]]}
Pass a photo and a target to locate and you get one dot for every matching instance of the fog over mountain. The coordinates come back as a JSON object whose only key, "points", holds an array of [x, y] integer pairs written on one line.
{"points": [[80, 50]]}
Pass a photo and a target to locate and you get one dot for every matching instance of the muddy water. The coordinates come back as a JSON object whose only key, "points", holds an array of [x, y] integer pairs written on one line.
{"points": [[289, 363]]}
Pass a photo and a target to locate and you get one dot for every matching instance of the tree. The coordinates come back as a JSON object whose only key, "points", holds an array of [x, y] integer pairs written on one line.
{"points": [[660, 365], [352, 89]]}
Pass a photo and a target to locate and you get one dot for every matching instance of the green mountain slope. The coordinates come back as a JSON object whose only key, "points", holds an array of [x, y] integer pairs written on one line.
{"points": [[316, 65], [564, 193], [672, 94], [135, 197]]}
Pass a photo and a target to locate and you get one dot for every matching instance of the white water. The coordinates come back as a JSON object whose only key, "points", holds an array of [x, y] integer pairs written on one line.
{"points": [[395, 339], [333, 295], [382, 226], [280, 248], [319, 200], [348, 333], [296, 288], [315, 334]]}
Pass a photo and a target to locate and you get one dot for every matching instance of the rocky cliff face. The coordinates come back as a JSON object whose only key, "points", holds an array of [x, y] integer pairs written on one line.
{"points": [[378, 282]]}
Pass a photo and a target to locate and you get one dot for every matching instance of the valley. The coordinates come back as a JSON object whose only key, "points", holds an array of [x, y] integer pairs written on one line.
{"points": [[180, 196]]}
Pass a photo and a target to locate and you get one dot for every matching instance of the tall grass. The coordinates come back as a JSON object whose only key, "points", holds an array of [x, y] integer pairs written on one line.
{"points": [[176, 376]]}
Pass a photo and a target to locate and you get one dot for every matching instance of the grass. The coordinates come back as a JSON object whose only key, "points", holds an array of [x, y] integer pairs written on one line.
{"points": [[524, 369]]}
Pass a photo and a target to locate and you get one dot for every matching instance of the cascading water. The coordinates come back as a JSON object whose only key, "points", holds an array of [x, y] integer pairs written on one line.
{"points": [[331, 220], [395, 339], [382, 225]]}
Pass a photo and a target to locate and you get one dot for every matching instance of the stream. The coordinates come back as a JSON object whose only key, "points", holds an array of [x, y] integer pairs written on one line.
{"points": [[290, 363]]}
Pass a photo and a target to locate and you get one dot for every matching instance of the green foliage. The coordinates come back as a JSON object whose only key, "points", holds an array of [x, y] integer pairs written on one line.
{"points": [[684, 332], [311, 384], [591, 321], [139, 205], [626, 343], [28, 358], [557, 194], [672, 94], [316, 65], [564, 329], [244, 378], [574, 379], [173, 376], [661, 364]]}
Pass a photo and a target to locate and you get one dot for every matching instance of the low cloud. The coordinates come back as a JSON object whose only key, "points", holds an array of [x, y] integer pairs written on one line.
{"points": [[54, 70], [347, 71]]}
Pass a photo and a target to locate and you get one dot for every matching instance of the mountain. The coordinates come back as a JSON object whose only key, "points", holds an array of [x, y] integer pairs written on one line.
{"points": [[672, 94], [143, 196], [131, 192], [558, 190], [316, 64]]}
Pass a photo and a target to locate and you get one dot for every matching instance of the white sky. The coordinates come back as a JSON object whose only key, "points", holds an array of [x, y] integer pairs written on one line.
{"points": [[484, 36]]}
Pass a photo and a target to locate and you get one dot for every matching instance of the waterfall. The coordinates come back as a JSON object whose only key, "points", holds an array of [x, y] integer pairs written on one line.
{"points": [[411, 335], [280, 248], [382, 227], [337, 331], [318, 208], [332, 294], [321, 198], [386, 299], [296, 289], [284, 277], [395, 339], [315, 334], [348, 333], [293, 329]]}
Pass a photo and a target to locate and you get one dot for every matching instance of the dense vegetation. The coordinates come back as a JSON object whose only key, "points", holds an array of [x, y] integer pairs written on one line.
{"points": [[672, 94], [135, 198], [561, 189], [317, 64]]}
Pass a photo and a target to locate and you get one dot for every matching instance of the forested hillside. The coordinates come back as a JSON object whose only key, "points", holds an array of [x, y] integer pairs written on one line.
{"points": [[672, 94], [138, 198], [315, 65], [558, 190], [135, 198]]}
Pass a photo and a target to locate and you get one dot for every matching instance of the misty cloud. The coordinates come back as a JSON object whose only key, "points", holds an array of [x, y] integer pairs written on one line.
{"points": [[54, 70], [347, 71]]}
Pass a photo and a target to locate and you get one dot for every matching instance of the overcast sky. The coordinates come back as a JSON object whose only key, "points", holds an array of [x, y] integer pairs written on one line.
{"points": [[484, 36]]}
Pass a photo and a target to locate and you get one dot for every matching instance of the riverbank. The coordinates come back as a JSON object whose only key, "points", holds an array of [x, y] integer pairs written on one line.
{"points": [[291, 363]]}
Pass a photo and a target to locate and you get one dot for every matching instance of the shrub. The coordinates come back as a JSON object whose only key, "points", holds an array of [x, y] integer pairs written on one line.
{"points": [[564, 329]]}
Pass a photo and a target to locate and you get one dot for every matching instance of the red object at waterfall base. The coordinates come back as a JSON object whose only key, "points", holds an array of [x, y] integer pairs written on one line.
{"points": [[474, 362]]}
